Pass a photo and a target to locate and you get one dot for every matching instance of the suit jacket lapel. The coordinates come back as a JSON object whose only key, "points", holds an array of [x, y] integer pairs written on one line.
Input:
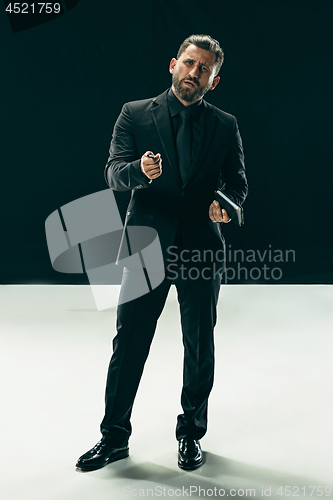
{"points": [[210, 121], [161, 117]]}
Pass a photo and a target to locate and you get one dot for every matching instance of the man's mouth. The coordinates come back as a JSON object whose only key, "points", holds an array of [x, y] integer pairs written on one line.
{"points": [[189, 83]]}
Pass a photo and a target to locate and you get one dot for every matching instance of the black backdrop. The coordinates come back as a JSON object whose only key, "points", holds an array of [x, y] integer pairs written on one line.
{"points": [[63, 84]]}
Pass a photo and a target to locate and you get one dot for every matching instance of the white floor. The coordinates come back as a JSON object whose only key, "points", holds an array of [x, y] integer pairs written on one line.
{"points": [[270, 413]]}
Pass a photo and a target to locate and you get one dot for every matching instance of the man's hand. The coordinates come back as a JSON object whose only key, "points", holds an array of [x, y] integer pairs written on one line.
{"points": [[151, 166], [218, 215]]}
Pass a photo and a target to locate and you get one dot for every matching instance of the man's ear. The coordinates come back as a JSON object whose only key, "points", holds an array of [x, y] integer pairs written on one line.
{"points": [[215, 82], [172, 65]]}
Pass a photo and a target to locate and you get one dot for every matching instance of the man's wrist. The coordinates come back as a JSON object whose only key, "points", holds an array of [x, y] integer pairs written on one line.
{"points": [[145, 177]]}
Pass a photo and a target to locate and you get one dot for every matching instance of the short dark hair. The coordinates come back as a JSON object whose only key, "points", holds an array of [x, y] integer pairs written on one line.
{"points": [[204, 42]]}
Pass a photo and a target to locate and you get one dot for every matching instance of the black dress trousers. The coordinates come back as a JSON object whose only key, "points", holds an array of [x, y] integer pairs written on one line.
{"points": [[136, 324]]}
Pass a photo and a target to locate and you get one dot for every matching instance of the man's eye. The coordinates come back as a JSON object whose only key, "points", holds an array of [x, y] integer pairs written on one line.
{"points": [[204, 69], [189, 62]]}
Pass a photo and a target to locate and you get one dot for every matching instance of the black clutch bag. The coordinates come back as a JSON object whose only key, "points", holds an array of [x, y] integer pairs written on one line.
{"points": [[234, 211]]}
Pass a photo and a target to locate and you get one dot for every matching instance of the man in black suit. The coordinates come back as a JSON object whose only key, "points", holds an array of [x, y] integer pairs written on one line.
{"points": [[201, 150]]}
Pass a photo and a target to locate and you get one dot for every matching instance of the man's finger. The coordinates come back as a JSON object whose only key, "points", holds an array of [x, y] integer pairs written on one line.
{"points": [[152, 171], [214, 212], [211, 212], [156, 162], [156, 159], [155, 175], [225, 216], [152, 166], [150, 154]]}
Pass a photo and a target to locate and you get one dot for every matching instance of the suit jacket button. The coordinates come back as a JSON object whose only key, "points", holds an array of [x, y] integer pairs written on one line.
{"points": [[175, 221], [182, 193]]}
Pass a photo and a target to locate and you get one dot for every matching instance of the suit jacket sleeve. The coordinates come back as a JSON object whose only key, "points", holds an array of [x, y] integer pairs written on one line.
{"points": [[233, 178], [122, 171]]}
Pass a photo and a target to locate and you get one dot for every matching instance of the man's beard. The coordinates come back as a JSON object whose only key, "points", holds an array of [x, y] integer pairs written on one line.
{"points": [[186, 93]]}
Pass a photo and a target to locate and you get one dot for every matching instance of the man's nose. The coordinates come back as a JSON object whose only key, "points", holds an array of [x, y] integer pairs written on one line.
{"points": [[195, 73]]}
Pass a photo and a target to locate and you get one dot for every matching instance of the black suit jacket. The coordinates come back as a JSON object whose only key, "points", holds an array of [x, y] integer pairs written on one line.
{"points": [[165, 203]]}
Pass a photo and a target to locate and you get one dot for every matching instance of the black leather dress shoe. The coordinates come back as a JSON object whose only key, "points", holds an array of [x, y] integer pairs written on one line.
{"points": [[189, 454], [100, 455]]}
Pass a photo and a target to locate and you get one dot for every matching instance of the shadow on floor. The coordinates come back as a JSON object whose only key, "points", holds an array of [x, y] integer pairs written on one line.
{"points": [[219, 476]]}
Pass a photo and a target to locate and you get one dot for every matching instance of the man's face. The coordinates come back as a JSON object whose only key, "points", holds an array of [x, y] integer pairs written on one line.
{"points": [[193, 74]]}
